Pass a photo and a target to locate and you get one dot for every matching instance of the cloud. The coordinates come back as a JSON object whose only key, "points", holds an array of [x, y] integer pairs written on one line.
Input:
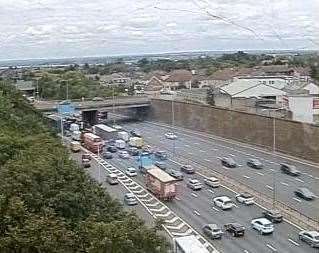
{"points": [[51, 28]]}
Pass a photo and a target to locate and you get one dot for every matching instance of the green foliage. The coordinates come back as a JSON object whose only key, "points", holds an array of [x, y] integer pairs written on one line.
{"points": [[47, 203]]}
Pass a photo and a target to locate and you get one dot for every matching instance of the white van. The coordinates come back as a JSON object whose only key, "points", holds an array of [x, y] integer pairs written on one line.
{"points": [[212, 182], [120, 144], [112, 179]]}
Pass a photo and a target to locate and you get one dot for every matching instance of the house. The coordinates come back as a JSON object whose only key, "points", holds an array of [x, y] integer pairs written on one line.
{"points": [[26, 87], [115, 79], [304, 108], [178, 79], [154, 84]]}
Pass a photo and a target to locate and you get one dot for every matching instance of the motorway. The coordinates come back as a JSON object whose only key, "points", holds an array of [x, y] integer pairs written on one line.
{"points": [[206, 150], [197, 209]]}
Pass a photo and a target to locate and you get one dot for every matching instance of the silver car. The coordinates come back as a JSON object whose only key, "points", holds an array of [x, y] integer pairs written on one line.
{"points": [[212, 231], [130, 199], [310, 237], [194, 184]]}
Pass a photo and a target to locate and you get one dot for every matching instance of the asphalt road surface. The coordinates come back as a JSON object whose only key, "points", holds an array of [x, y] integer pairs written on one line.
{"points": [[207, 152]]}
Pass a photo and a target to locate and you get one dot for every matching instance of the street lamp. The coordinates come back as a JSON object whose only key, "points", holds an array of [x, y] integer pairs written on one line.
{"points": [[98, 155], [173, 124]]}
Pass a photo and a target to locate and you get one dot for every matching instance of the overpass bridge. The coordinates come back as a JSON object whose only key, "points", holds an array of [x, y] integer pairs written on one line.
{"points": [[135, 107], [105, 105]]}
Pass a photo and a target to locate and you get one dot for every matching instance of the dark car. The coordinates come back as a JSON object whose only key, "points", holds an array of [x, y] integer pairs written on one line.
{"points": [[304, 193], [133, 151], [189, 169], [289, 169], [228, 162], [107, 155], [136, 133], [273, 215], [111, 149], [176, 174], [235, 229], [255, 163], [161, 165], [161, 155]]}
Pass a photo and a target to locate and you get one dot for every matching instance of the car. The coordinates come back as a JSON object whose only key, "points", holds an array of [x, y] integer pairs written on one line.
{"points": [[162, 155], [188, 169], [224, 202], [117, 127], [255, 163], [194, 184], [124, 155], [65, 102], [133, 151], [111, 149], [148, 149], [263, 226], [136, 133], [170, 136], [112, 179], [131, 172], [245, 198], [305, 193], [289, 169], [107, 155], [228, 162], [212, 231], [273, 215], [235, 229], [130, 199], [310, 237], [161, 165], [176, 174], [97, 99], [212, 182]]}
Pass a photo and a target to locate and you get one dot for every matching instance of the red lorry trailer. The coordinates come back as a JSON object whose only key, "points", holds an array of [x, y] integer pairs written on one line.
{"points": [[161, 184], [93, 142]]}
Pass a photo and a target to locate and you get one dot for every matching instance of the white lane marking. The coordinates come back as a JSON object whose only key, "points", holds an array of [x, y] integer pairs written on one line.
{"points": [[190, 153], [272, 170], [297, 199], [178, 227], [246, 176], [261, 174], [215, 209], [232, 155], [293, 242], [269, 187], [207, 160], [283, 183], [225, 168], [211, 191], [196, 143], [218, 157], [246, 251], [195, 195], [311, 176], [177, 198], [240, 165], [203, 151], [271, 247], [186, 145], [197, 213], [299, 180]]}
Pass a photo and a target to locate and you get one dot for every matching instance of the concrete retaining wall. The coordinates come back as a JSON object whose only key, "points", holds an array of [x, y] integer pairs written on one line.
{"points": [[293, 138]]}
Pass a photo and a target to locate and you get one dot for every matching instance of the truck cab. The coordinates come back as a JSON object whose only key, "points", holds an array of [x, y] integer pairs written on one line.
{"points": [[86, 160]]}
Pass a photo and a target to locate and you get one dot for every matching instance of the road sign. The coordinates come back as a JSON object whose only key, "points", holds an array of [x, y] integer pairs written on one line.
{"points": [[66, 109]]}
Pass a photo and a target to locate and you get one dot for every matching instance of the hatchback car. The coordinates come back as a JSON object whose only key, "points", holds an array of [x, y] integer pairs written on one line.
{"points": [[97, 99], [112, 149], [194, 184], [212, 182], [162, 155], [130, 199], [133, 151], [235, 229], [273, 215], [161, 165], [136, 133], [212, 231], [224, 202], [131, 172], [304, 193], [255, 163], [245, 198], [310, 237], [124, 155], [228, 162], [176, 174], [170, 136], [107, 155], [263, 226], [289, 169], [188, 169]]}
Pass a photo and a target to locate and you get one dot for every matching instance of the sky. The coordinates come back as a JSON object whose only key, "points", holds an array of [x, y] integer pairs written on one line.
{"points": [[75, 28]]}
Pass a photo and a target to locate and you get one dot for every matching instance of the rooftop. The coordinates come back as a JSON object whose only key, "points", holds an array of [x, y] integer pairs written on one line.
{"points": [[161, 175]]}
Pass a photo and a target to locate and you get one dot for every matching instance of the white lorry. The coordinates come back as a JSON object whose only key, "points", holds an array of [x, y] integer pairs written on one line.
{"points": [[123, 136], [120, 144]]}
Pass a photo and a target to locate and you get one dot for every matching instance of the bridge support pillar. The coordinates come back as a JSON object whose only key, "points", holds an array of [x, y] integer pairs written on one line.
{"points": [[90, 117]]}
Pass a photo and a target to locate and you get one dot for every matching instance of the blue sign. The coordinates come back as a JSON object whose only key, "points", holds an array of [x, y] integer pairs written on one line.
{"points": [[66, 109], [145, 160]]}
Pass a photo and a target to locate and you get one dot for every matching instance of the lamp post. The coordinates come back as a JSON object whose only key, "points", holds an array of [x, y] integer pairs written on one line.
{"points": [[98, 154], [173, 124]]}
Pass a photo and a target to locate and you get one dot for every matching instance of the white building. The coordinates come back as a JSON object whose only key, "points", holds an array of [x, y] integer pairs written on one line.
{"points": [[304, 108], [273, 81]]}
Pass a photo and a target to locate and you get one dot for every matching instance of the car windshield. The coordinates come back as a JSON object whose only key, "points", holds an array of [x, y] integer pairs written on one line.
{"points": [[316, 238], [227, 202]]}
